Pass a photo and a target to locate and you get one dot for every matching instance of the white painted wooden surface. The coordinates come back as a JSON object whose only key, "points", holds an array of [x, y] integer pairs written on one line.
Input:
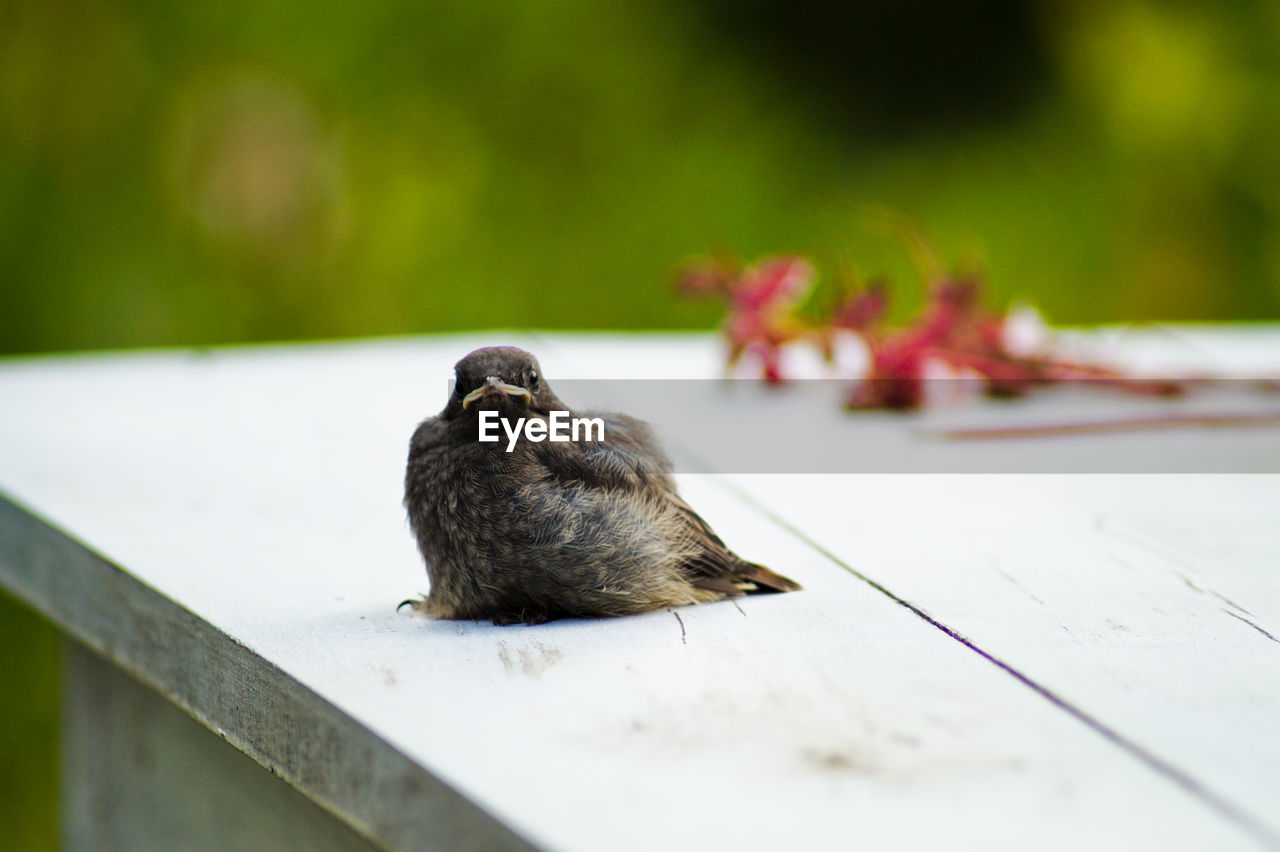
{"points": [[1116, 688]]}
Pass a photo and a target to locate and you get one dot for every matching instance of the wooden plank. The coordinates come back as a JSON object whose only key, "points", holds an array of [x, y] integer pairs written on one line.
{"points": [[1147, 604], [258, 491]]}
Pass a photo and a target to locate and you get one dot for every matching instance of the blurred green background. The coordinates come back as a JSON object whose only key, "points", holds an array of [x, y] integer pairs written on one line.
{"points": [[189, 174]]}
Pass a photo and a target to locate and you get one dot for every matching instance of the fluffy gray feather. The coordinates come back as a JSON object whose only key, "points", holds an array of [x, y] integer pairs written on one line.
{"points": [[555, 529]]}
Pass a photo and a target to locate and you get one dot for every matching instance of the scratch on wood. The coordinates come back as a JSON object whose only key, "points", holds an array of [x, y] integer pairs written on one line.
{"points": [[684, 640], [1016, 584], [1226, 600], [1251, 624], [1119, 561], [1102, 525], [530, 661], [1206, 591], [1190, 585]]}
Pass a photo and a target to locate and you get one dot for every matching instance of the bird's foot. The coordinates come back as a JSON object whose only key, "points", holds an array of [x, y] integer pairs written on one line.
{"points": [[524, 616], [418, 606]]}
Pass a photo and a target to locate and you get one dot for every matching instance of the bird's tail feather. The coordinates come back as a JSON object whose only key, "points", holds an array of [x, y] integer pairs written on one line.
{"points": [[765, 580]]}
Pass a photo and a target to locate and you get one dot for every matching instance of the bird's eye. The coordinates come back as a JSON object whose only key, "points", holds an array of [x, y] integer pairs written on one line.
{"points": [[533, 378]]}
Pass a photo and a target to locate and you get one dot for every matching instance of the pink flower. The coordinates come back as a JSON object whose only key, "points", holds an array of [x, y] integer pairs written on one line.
{"points": [[762, 301], [954, 335]]}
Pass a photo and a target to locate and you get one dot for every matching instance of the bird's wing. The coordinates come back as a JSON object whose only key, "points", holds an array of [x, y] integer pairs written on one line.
{"points": [[429, 436], [629, 456], [430, 433], [634, 438], [714, 566]]}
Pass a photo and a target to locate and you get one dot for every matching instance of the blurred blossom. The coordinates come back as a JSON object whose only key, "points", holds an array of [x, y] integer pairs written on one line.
{"points": [[250, 165], [67, 72]]}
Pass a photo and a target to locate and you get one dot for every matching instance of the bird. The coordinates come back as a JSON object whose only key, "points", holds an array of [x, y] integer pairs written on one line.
{"points": [[544, 530]]}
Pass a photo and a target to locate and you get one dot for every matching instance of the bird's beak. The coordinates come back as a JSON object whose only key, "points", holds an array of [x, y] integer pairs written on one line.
{"points": [[493, 386]]}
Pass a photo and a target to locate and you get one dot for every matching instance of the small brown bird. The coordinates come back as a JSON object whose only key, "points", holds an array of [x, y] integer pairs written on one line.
{"points": [[526, 530]]}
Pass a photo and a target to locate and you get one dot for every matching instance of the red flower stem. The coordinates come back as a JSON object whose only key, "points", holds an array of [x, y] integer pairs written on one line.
{"points": [[1129, 424]]}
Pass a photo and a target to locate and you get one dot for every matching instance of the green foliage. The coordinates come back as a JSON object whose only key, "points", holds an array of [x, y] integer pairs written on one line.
{"points": [[29, 728], [185, 173]]}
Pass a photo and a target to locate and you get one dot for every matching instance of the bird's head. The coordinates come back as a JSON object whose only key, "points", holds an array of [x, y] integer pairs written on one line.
{"points": [[501, 378]]}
